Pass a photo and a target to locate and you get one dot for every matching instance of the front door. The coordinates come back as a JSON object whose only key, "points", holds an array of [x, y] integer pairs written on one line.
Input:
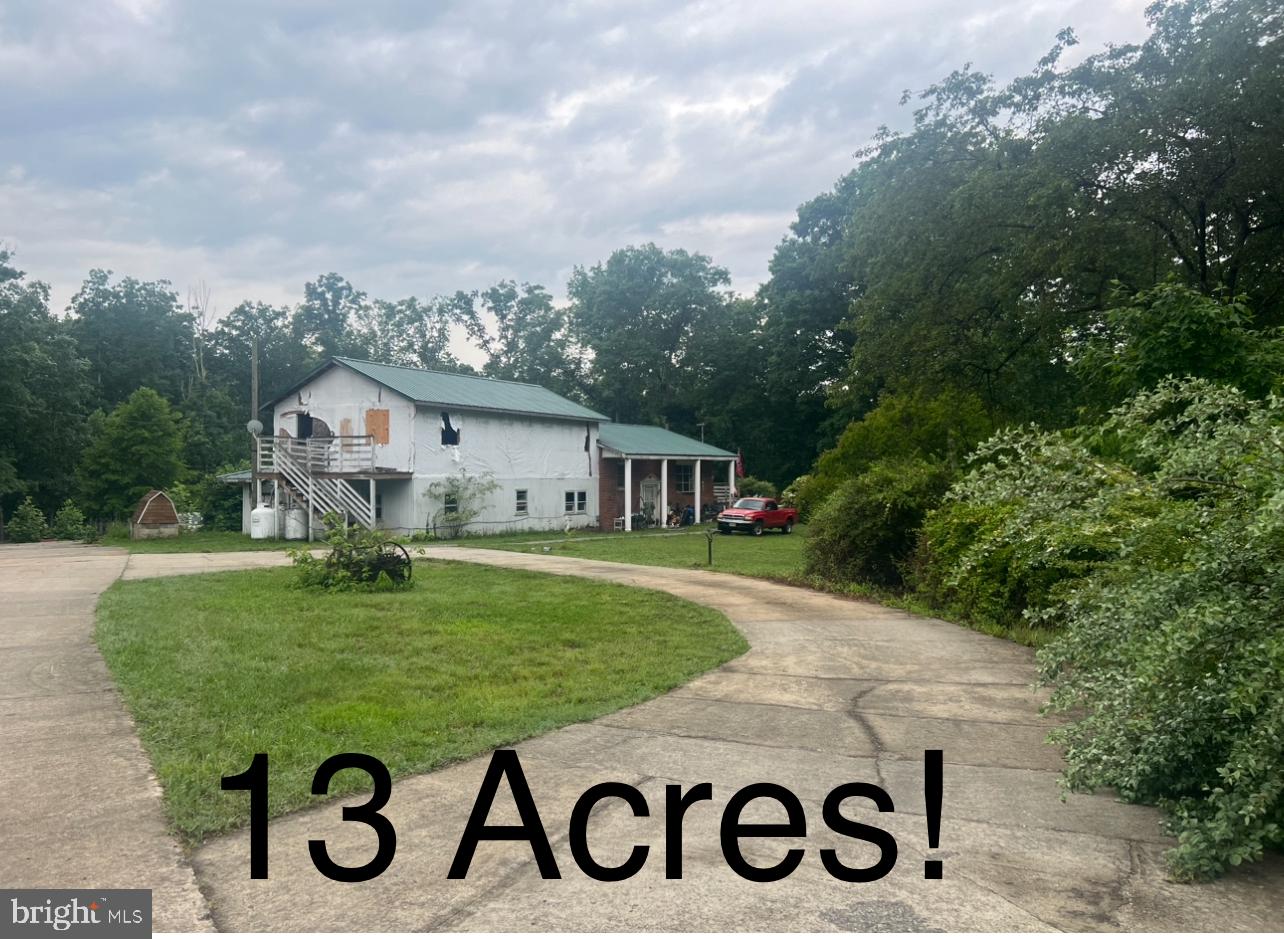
{"points": [[649, 491]]}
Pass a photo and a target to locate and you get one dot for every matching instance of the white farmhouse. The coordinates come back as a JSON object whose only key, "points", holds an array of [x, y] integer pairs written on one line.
{"points": [[387, 447]]}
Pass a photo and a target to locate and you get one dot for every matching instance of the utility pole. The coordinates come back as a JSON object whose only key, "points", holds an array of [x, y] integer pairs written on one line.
{"points": [[254, 416]]}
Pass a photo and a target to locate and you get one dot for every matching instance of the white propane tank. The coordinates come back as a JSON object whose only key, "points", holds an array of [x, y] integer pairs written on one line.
{"points": [[263, 523], [296, 523]]}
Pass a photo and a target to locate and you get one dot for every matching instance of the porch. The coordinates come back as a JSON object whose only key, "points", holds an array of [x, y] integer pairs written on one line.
{"points": [[648, 474]]}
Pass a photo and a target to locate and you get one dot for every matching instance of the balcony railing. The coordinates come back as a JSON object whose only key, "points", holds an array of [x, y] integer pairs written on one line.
{"points": [[316, 455]]}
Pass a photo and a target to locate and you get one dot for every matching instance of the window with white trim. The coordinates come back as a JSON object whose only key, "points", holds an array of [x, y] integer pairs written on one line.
{"points": [[576, 501], [521, 502], [683, 477]]}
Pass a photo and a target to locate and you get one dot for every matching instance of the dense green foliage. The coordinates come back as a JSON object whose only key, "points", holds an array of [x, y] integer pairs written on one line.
{"points": [[864, 531], [28, 523], [1151, 543], [69, 523], [753, 486], [136, 448], [942, 428]]}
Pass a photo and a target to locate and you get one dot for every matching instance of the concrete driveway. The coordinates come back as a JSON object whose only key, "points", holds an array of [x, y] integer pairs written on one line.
{"points": [[79, 806], [832, 691]]}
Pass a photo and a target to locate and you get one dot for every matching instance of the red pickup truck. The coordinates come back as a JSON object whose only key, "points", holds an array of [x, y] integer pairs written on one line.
{"points": [[755, 516]]}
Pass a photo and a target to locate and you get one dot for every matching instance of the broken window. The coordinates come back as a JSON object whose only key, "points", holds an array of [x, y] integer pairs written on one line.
{"points": [[683, 477], [449, 434], [521, 501]]}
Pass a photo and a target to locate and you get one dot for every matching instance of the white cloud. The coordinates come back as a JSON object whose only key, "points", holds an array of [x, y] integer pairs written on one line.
{"points": [[423, 149]]}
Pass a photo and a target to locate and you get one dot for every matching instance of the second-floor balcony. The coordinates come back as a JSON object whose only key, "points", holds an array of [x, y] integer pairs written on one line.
{"points": [[317, 456]]}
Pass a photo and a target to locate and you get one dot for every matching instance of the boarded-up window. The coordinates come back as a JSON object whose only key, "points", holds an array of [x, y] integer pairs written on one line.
{"points": [[377, 424]]}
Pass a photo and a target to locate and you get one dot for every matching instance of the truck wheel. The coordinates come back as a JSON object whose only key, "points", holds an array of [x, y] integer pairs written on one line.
{"points": [[789, 527], [724, 529], [757, 527]]}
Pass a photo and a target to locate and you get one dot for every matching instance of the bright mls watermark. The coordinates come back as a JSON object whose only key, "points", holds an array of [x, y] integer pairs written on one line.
{"points": [[103, 913]]}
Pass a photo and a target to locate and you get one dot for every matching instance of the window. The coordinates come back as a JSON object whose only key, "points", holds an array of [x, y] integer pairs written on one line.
{"points": [[521, 501], [619, 474], [378, 506], [683, 476], [451, 503], [576, 501], [449, 434]]}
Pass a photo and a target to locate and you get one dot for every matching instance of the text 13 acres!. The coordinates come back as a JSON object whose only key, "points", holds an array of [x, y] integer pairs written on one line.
{"points": [[505, 765]]}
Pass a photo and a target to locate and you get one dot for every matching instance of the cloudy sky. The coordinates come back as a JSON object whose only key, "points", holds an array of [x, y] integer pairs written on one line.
{"points": [[420, 148]]}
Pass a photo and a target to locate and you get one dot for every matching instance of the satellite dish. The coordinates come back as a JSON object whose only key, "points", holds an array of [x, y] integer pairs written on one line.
{"points": [[255, 427]]}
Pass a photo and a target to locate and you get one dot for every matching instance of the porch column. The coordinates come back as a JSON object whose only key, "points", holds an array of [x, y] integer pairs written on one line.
{"points": [[628, 493], [699, 506], [374, 497], [664, 493], [731, 478]]}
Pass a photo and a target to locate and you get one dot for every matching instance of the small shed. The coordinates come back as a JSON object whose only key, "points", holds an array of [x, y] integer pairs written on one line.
{"points": [[154, 517]]}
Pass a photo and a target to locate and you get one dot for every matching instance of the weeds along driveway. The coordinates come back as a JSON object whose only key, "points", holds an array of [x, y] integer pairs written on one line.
{"points": [[79, 806], [832, 691]]}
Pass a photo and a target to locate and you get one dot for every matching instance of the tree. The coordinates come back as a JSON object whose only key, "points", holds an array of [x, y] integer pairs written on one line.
{"points": [[44, 394], [532, 341], [133, 333], [323, 321], [1174, 330], [28, 523], [636, 315], [283, 356], [413, 332], [135, 448]]}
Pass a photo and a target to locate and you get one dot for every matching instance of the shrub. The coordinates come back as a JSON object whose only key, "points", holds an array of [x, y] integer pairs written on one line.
{"points": [[791, 494], [357, 560], [218, 502], [942, 428], [752, 486], [27, 524], [1152, 541], [69, 523], [866, 528]]}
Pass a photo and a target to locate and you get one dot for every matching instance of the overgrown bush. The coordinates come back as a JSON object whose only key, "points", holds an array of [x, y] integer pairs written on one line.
{"points": [[867, 527], [752, 486], [356, 561], [69, 523], [218, 502], [791, 493], [27, 524], [1152, 541], [917, 426]]}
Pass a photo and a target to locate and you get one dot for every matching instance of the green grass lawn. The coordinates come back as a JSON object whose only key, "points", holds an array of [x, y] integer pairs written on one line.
{"points": [[770, 555], [199, 541], [217, 667]]}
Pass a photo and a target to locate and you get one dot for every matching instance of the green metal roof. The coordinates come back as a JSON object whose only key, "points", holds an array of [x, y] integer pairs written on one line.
{"points": [[644, 440], [237, 476], [424, 386]]}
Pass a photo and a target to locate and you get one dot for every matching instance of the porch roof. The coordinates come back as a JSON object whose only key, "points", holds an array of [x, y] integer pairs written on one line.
{"points": [[642, 440]]}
